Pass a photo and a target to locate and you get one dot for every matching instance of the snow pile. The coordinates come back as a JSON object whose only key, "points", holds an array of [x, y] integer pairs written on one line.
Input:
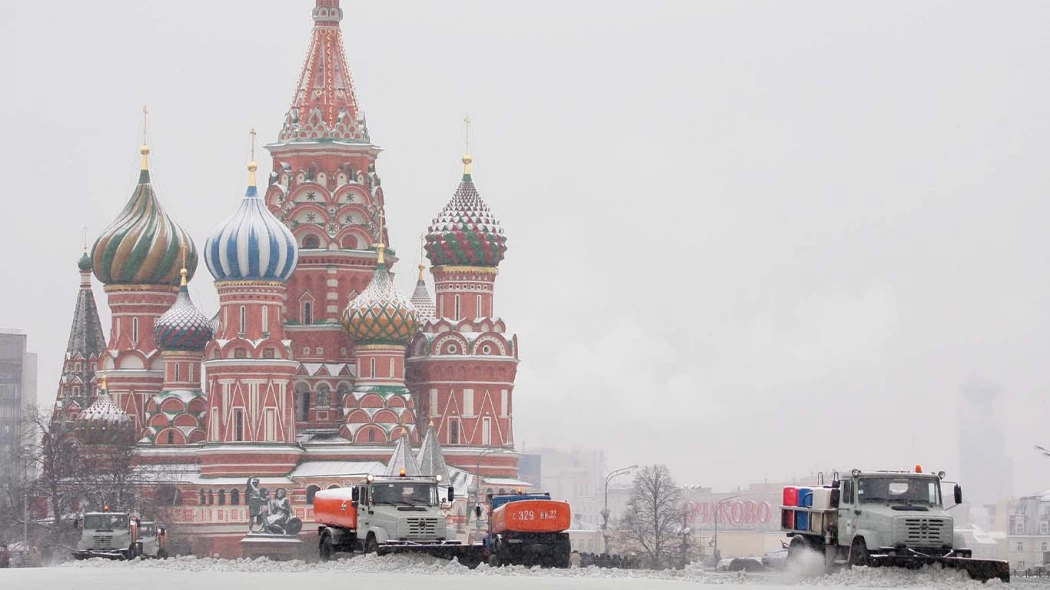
{"points": [[808, 573]]}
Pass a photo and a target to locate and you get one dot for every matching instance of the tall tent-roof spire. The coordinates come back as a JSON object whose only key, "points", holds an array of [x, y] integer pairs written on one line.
{"points": [[325, 105], [402, 458], [85, 335], [431, 460], [425, 308]]}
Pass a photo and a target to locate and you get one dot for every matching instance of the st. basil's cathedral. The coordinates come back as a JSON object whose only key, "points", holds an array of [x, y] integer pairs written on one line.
{"points": [[316, 370]]}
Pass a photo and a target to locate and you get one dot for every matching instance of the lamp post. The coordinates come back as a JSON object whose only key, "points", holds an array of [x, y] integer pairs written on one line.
{"points": [[718, 555], [477, 482], [605, 511]]}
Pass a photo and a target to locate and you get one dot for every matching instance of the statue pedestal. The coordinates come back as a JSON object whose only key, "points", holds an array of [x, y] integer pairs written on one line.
{"points": [[275, 547]]}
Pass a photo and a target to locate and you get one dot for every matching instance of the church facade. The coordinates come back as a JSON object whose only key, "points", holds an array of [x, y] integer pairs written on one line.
{"points": [[315, 366]]}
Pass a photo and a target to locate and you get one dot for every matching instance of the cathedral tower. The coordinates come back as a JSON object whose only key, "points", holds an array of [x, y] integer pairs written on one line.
{"points": [[249, 364], [138, 258], [462, 367], [87, 344], [324, 187]]}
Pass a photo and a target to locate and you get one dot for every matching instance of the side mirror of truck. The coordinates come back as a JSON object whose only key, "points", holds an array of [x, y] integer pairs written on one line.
{"points": [[451, 494], [958, 494], [835, 494], [355, 494], [76, 523], [477, 510]]}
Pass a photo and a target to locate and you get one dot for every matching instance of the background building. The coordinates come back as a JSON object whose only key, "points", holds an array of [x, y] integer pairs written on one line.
{"points": [[984, 468], [1028, 536], [17, 393]]}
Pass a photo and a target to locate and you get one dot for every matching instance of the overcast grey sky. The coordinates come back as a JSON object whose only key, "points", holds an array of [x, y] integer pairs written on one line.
{"points": [[747, 239]]}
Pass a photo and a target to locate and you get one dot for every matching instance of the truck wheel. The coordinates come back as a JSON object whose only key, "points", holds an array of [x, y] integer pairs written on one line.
{"points": [[371, 545], [326, 547], [858, 553], [796, 548]]}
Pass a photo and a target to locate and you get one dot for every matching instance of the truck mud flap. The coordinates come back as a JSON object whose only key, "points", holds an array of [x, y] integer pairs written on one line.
{"points": [[979, 569]]}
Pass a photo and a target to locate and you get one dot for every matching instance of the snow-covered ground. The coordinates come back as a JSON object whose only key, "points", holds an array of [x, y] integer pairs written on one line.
{"points": [[394, 572]]}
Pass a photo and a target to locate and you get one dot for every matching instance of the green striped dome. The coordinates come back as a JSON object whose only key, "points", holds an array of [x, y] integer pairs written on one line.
{"points": [[143, 246]]}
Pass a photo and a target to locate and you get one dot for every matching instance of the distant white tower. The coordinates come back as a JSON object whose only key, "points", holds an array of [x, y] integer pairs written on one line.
{"points": [[985, 475]]}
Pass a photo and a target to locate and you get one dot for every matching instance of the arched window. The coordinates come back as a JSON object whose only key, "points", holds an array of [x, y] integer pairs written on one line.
{"points": [[453, 431], [222, 497], [308, 312], [266, 319], [349, 243], [479, 313], [211, 497], [244, 319], [171, 437], [372, 367], [371, 435], [456, 317], [235, 497], [310, 491], [324, 397], [176, 371], [310, 242], [239, 425], [391, 368], [135, 330], [203, 498]]}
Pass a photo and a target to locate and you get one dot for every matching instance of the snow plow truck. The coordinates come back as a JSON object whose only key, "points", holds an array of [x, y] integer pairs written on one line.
{"points": [[388, 514], [119, 535], [881, 519], [528, 529]]}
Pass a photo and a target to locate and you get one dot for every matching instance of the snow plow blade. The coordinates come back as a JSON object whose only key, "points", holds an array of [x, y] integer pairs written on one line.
{"points": [[979, 569]]}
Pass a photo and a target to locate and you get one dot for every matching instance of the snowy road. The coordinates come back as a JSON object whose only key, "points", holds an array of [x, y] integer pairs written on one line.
{"points": [[395, 572]]}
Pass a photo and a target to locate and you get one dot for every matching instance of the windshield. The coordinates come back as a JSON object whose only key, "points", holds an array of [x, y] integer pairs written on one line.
{"points": [[148, 530], [407, 494], [105, 522], [911, 490]]}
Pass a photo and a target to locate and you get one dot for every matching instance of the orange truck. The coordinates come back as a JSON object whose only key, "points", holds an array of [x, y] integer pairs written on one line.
{"points": [[528, 529]]}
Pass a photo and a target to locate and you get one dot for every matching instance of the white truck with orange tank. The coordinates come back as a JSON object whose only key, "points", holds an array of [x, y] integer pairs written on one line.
{"points": [[385, 515], [881, 518], [528, 529]]}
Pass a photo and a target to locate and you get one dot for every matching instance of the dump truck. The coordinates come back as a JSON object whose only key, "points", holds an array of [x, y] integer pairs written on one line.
{"points": [[528, 529], [389, 514], [880, 519]]}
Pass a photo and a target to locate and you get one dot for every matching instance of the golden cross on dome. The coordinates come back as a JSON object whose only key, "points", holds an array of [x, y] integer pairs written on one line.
{"points": [[85, 238], [145, 115], [422, 255], [144, 149], [380, 247], [252, 133]]}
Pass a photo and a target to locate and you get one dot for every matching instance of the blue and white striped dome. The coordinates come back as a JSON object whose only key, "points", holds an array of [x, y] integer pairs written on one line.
{"points": [[253, 245]]}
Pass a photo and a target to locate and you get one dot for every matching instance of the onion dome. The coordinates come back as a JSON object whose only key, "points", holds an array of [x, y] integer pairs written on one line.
{"points": [[466, 233], [142, 245], [253, 245], [85, 262], [103, 422], [183, 327], [381, 314]]}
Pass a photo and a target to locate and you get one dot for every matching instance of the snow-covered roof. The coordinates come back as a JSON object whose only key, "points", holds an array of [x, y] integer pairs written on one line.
{"points": [[337, 468], [505, 481]]}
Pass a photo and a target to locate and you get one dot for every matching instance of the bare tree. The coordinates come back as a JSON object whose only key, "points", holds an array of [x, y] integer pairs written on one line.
{"points": [[652, 520]]}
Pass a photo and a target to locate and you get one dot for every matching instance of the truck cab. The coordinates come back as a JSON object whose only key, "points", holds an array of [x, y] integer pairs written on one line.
{"points": [[383, 514], [106, 534], [890, 512]]}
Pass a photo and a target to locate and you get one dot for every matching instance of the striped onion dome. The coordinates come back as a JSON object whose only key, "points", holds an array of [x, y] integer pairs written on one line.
{"points": [[381, 314], [183, 327], [103, 422], [143, 246], [466, 233], [253, 245]]}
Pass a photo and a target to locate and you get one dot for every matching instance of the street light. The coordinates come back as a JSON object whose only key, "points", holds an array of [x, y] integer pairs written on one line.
{"points": [[605, 511], [717, 555], [477, 482]]}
